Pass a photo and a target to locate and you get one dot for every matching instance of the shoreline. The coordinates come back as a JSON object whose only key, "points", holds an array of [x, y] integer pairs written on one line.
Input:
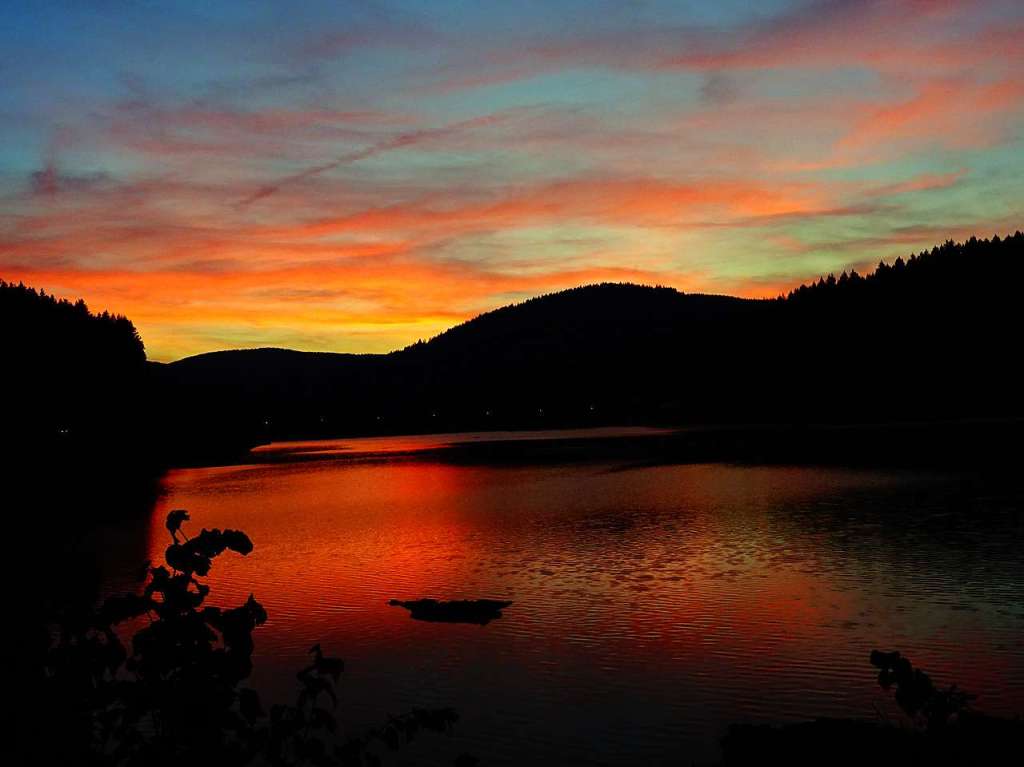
{"points": [[967, 444]]}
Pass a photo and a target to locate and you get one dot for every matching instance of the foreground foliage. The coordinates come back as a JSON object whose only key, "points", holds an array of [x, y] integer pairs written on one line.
{"points": [[174, 694], [942, 729]]}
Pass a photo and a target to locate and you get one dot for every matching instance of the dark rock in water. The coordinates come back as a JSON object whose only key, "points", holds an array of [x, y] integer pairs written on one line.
{"points": [[478, 611]]}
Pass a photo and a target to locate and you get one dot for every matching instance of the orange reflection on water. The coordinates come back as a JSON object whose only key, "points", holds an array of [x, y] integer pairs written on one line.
{"points": [[697, 595]]}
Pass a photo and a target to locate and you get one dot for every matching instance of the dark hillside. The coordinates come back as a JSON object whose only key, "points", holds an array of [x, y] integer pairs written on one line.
{"points": [[930, 338], [67, 371]]}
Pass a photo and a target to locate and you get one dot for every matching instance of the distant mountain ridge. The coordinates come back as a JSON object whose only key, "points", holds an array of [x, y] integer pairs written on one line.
{"points": [[926, 338], [932, 338], [519, 318]]}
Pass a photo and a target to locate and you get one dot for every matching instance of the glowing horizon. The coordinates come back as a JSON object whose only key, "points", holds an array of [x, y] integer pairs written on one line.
{"points": [[357, 176]]}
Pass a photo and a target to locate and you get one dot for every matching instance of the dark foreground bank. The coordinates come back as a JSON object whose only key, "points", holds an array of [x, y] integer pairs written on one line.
{"points": [[940, 728]]}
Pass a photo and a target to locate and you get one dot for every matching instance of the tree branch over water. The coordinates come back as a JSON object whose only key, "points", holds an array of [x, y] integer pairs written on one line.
{"points": [[157, 678]]}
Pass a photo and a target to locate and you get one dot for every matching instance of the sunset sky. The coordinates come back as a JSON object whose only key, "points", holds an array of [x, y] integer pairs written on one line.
{"points": [[356, 176]]}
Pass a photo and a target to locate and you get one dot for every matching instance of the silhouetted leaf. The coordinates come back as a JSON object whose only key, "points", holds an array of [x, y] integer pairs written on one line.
{"points": [[177, 692], [237, 541], [259, 615], [174, 520]]}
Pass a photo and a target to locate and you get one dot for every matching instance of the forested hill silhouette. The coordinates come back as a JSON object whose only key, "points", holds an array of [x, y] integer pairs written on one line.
{"points": [[520, 365], [66, 368], [931, 338], [934, 337]]}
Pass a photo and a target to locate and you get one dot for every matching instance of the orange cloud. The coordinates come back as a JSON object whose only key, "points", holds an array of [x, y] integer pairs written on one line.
{"points": [[950, 112], [633, 202], [337, 227], [396, 300]]}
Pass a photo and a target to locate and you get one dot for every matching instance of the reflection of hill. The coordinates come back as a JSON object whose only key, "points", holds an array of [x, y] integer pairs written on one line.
{"points": [[927, 339]]}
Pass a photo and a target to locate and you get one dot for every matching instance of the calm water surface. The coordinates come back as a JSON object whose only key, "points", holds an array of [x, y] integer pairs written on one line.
{"points": [[653, 605]]}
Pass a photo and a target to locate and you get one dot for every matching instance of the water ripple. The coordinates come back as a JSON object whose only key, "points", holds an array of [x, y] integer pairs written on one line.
{"points": [[652, 605]]}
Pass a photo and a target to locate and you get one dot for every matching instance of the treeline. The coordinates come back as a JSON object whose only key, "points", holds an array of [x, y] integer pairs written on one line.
{"points": [[930, 338], [942, 273], [79, 395], [934, 337], [68, 370]]}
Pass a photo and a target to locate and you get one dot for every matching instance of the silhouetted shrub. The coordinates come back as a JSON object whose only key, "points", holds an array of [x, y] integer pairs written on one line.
{"points": [[915, 692], [949, 733], [174, 694]]}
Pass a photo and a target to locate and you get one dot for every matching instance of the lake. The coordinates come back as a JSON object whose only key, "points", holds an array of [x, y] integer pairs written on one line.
{"points": [[652, 604]]}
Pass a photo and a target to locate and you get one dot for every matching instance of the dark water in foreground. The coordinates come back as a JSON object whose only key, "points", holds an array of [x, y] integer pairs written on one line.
{"points": [[653, 605]]}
